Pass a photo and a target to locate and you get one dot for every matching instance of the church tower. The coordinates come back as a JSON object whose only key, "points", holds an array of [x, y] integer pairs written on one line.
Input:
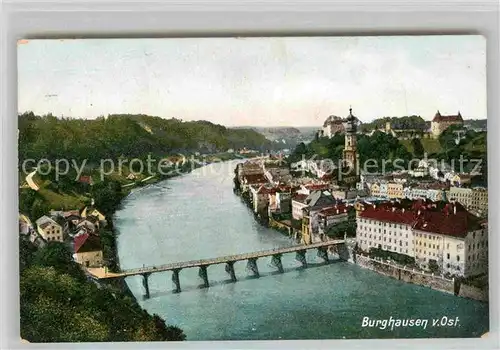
{"points": [[350, 156]]}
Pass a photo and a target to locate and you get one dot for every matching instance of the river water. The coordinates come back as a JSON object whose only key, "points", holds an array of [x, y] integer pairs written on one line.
{"points": [[197, 216]]}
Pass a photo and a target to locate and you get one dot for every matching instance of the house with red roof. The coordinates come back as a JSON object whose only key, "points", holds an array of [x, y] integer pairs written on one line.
{"points": [[434, 233], [330, 216], [88, 250]]}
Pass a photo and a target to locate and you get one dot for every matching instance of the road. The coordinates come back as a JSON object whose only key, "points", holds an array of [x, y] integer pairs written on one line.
{"points": [[31, 183]]}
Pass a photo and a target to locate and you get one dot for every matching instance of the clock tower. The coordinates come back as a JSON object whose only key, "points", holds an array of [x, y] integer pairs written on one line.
{"points": [[350, 155]]}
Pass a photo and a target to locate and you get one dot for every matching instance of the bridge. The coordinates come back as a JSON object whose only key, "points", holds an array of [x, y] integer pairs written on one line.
{"points": [[229, 260]]}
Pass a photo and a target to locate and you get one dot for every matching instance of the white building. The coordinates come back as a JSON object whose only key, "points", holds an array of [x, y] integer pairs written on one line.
{"points": [[449, 238], [49, 230]]}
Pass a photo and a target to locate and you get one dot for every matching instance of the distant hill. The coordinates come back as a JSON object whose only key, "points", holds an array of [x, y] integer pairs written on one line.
{"points": [[128, 135], [286, 137]]}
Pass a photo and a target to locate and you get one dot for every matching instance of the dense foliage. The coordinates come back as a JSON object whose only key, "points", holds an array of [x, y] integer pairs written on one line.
{"points": [[58, 304], [381, 146], [471, 148], [399, 123], [127, 135], [376, 148]]}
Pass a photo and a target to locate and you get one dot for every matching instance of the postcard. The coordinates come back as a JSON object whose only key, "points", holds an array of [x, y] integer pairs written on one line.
{"points": [[253, 188]]}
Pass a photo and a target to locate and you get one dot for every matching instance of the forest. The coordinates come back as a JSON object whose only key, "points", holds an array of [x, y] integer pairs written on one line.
{"points": [[128, 136], [58, 304]]}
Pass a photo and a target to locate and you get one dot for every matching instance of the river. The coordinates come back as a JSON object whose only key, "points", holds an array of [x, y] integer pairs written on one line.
{"points": [[198, 216]]}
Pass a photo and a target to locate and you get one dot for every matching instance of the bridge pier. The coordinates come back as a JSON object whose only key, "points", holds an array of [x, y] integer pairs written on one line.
{"points": [[175, 279], [204, 275], [230, 270], [343, 252], [145, 283], [300, 256], [276, 261], [252, 266], [323, 253]]}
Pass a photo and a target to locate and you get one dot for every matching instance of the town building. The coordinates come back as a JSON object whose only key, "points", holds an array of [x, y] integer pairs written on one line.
{"points": [[331, 216], [474, 199], [395, 190], [443, 237], [441, 122], [88, 250], [49, 229], [260, 197], [276, 174], [89, 212], [25, 227], [280, 202], [314, 203]]}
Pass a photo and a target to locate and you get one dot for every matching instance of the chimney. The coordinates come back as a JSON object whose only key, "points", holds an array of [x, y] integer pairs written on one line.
{"points": [[393, 209], [454, 209], [403, 210]]}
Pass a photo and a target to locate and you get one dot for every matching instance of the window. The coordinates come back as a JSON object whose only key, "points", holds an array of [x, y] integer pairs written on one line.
{"points": [[437, 246], [448, 256], [407, 244], [448, 246], [458, 257]]}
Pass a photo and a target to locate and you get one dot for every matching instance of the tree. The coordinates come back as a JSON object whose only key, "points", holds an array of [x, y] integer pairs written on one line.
{"points": [[58, 255], [57, 307], [418, 148], [107, 195], [26, 253], [433, 266]]}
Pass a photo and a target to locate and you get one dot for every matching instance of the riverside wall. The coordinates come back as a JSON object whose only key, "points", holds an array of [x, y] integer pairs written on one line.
{"points": [[407, 275], [472, 292], [436, 282]]}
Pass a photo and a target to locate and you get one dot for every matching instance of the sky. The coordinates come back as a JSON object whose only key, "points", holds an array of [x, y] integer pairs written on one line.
{"points": [[291, 81]]}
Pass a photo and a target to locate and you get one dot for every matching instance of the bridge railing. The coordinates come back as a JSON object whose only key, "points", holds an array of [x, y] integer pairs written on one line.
{"points": [[222, 259]]}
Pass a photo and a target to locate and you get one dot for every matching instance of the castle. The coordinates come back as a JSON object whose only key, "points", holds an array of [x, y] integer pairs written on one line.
{"points": [[441, 122], [332, 125]]}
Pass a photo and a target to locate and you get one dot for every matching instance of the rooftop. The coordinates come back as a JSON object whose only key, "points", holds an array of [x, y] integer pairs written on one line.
{"points": [[87, 243], [447, 118], [450, 219], [44, 221]]}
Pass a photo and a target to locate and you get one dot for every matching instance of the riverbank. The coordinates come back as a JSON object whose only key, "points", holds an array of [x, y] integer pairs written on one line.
{"points": [[141, 185], [412, 276]]}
